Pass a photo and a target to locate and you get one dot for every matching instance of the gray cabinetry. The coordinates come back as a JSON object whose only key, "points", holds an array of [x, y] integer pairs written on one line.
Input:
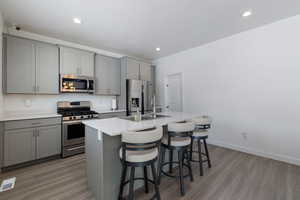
{"points": [[137, 70], [133, 69], [30, 67], [19, 146], [28, 140], [47, 69], [76, 62], [20, 65], [145, 71], [107, 75], [48, 141]]}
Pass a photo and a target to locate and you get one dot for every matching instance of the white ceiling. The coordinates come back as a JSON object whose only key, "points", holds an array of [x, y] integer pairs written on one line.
{"points": [[137, 27]]}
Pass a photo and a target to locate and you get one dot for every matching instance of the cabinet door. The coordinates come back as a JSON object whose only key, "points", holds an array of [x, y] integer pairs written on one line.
{"points": [[108, 75], [145, 71], [115, 74], [19, 146], [47, 75], [20, 65], [48, 141], [70, 61], [86, 64], [133, 69]]}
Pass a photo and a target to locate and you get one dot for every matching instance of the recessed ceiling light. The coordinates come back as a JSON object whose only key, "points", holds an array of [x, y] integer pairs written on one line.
{"points": [[247, 13], [77, 20], [157, 49]]}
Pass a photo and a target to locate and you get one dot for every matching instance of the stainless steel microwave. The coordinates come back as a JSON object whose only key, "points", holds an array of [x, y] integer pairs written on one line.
{"points": [[76, 84]]}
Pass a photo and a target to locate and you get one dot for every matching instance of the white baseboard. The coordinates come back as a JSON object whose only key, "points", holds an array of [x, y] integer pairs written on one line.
{"points": [[278, 157]]}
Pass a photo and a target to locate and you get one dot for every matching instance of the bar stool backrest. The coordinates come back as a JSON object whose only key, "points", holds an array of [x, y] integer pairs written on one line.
{"points": [[141, 140], [203, 122], [180, 129]]}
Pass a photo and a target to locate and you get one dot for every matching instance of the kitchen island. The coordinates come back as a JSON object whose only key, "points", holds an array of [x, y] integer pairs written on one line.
{"points": [[102, 143]]}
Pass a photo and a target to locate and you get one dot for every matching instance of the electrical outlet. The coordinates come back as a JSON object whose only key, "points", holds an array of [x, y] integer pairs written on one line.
{"points": [[245, 135]]}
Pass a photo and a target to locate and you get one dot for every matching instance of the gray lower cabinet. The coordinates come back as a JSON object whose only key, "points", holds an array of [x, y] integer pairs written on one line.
{"points": [[19, 146], [23, 143], [107, 75], [48, 141]]}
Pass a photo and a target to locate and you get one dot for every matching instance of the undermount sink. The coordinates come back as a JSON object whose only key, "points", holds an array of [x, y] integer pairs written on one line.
{"points": [[145, 117]]}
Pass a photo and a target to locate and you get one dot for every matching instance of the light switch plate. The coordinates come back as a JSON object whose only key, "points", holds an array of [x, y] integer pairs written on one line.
{"points": [[8, 184]]}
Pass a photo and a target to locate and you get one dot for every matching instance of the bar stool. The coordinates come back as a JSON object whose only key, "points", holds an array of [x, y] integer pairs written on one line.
{"points": [[139, 149], [200, 134], [178, 139]]}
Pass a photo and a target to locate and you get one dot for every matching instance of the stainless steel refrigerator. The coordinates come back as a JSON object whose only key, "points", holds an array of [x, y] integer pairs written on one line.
{"points": [[138, 96]]}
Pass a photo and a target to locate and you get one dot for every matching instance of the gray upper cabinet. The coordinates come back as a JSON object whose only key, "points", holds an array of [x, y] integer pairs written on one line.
{"points": [[137, 70], [19, 146], [145, 71], [107, 75], [133, 69], [30, 67], [76, 62], [48, 141], [20, 65], [47, 69]]}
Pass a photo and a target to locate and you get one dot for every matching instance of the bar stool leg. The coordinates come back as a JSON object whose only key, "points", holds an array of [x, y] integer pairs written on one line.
{"points": [[191, 148], [190, 167], [123, 177], [180, 159], [171, 161], [160, 163], [200, 157], [207, 154], [131, 184], [155, 181], [146, 180]]}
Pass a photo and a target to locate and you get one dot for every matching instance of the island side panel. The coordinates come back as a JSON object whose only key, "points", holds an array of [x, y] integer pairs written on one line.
{"points": [[112, 167], [94, 160]]}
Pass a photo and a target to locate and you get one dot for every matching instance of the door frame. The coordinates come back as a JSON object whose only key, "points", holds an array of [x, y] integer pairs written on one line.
{"points": [[180, 74]]}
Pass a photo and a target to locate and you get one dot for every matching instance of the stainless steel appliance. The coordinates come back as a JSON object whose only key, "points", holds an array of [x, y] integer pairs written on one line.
{"points": [[73, 130], [138, 96], [76, 84]]}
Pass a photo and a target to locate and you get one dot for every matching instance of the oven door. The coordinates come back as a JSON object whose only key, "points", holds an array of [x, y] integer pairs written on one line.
{"points": [[74, 84], [73, 133]]}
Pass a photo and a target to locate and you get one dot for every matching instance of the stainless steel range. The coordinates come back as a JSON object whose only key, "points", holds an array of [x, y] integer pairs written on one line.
{"points": [[73, 130]]}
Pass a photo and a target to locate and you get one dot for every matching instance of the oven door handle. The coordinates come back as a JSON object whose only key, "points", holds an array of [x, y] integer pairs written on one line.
{"points": [[75, 148], [72, 122]]}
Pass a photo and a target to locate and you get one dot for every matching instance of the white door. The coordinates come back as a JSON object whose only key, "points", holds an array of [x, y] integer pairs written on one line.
{"points": [[174, 93]]}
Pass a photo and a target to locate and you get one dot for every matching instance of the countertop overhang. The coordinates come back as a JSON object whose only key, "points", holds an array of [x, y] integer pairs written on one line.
{"points": [[115, 126]]}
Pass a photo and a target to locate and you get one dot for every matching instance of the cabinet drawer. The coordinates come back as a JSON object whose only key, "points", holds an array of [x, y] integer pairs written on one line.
{"points": [[31, 123], [111, 115]]}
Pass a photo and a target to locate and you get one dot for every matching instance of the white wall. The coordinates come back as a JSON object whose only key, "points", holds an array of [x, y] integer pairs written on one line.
{"points": [[249, 83]]}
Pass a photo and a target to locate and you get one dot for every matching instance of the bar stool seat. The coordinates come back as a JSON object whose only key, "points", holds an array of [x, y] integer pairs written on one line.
{"points": [[140, 156], [200, 133], [139, 148], [177, 141]]}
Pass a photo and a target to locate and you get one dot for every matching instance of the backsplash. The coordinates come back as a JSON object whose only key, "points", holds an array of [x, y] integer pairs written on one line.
{"points": [[21, 102]]}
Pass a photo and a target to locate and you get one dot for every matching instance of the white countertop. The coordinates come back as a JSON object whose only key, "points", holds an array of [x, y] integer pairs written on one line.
{"points": [[115, 126], [23, 115]]}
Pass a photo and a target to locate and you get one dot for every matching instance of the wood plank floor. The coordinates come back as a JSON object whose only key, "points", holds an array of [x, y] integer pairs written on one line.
{"points": [[234, 176]]}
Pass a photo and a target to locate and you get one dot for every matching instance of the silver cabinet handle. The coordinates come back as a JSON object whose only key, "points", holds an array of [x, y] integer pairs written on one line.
{"points": [[37, 88]]}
